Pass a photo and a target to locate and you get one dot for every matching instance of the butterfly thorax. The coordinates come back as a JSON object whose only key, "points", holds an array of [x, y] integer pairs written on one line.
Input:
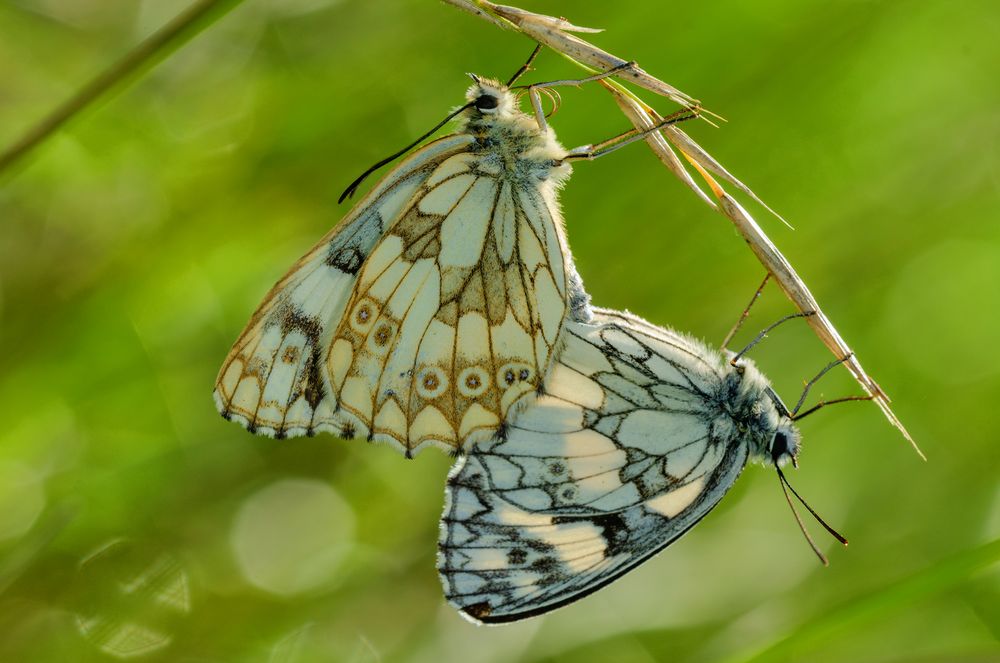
{"points": [[508, 141], [749, 413]]}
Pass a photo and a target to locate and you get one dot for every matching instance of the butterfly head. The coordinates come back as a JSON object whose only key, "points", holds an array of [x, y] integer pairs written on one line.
{"points": [[786, 441], [784, 445], [489, 98], [764, 417]]}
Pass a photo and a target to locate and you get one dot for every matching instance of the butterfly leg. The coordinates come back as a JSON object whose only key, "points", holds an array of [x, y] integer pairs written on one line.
{"points": [[736, 357], [794, 414], [591, 152], [805, 390], [526, 66], [577, 82], [746, 312], [823, 404], [536, 102]]}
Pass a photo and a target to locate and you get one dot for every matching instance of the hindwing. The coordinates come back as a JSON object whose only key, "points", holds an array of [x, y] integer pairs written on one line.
{"points": [[621, 455], [274, 381]]}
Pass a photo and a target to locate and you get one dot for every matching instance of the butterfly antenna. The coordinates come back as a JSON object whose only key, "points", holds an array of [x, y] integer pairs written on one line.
{"points": [[785, 487], [349, 191]]}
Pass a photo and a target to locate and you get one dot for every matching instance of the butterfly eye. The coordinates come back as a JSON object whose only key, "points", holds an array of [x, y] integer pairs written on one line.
{"points": [[487, 103], [780, 446]]}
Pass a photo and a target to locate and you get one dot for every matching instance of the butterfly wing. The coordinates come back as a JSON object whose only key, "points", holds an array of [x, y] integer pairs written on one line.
{"points": [[423, 318], [622, 454], [456, 313], [274, 381]]}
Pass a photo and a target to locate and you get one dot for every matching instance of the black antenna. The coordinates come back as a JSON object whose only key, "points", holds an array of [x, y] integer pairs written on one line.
{"points": [[349, 191], [785, 487]]}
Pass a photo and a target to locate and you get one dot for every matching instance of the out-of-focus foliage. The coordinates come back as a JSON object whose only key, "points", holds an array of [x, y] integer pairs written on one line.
{"points": [[135, 522]]}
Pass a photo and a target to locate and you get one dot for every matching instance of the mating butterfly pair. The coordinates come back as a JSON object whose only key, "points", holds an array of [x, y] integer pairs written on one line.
{"points": [[445, 310]]}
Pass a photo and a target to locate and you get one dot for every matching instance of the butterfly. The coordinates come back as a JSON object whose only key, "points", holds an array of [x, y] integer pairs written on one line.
{"points": [[433, 308], [637, 434]]}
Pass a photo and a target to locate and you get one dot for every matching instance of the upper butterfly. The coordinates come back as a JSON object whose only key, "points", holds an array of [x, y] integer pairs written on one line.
{"points": [[433, 308]]}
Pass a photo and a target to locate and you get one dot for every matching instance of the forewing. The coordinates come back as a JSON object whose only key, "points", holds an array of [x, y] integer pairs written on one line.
{"points": [[617, 460], [274, 381], [456, 313]]}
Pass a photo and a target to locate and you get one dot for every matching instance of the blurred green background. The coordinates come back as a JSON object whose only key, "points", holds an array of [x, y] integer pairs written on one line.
{"points": [[136, 523]]}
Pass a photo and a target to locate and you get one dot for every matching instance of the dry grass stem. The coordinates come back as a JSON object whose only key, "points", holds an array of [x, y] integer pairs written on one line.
{"points": [[555, 33]]}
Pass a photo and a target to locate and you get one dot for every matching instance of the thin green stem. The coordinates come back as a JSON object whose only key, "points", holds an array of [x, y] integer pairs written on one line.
{"points": [[147, 53]]}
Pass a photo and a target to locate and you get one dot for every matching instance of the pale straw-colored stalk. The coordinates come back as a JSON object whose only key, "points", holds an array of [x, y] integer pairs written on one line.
{"points": [[555, 33]]}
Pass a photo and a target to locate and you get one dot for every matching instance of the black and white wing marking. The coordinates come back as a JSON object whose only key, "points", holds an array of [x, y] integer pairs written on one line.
{"points": [[274, 381], [623, 453]]}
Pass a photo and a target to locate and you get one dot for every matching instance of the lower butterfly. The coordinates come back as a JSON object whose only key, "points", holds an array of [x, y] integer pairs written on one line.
{"points": [[638, 434]]}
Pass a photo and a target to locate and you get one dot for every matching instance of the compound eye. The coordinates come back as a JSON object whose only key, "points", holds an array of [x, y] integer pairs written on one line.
{"points": [[487, 102], [779, 447]]}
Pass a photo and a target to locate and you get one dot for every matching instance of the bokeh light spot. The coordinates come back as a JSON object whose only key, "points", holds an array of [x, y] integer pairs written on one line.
{"points": [[133, 595], [291, 536], [22, 498]]}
